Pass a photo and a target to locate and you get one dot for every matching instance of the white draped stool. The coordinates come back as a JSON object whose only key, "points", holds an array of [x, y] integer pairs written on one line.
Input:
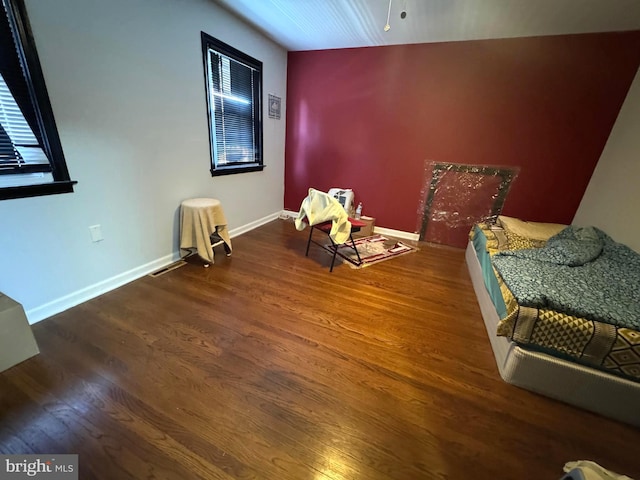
{"points": [[203, 225]]}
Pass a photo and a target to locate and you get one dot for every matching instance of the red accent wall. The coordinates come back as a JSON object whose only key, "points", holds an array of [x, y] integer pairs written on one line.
{"points": [[371, 118]]}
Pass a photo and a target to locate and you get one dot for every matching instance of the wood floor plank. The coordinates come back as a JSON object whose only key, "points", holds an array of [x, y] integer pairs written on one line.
{"points": [[238, 377], [267, 366], [174, 392]]}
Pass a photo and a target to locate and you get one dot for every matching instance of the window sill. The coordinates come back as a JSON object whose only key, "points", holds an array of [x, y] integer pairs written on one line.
{"points": [[24, 191], [236, 169]]}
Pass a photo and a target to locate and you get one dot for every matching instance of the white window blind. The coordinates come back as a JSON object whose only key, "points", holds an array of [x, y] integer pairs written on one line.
{"points": [[233, 105], [32, 161], [19, 147]]}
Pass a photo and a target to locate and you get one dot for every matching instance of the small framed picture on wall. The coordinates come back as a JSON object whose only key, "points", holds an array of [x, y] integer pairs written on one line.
{"points": [[274, 107]]}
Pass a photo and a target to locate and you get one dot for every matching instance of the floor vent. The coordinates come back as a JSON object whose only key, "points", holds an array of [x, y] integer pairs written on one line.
{"points": [[168, 268]]}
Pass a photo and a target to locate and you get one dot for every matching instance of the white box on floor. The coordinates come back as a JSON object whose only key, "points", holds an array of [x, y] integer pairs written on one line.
{"points": [[17, 342]]}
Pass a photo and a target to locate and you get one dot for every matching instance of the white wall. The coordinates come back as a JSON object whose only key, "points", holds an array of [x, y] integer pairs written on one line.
{"points": [[612, 198], [126, 83]]}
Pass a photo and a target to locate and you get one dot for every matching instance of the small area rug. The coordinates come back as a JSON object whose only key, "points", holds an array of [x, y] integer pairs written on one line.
{"points": [[372, 250]]}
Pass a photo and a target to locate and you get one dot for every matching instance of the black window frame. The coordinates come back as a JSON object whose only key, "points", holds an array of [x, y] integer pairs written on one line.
{"points": [[211, 43], [45, 127]]}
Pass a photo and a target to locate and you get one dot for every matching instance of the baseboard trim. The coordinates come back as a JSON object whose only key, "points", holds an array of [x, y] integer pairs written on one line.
{"points": [[397, 233], [80, 296], [253, 225], [73, 299], [61, 304]]}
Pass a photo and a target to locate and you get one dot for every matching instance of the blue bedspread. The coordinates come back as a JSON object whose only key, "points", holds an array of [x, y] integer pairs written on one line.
{"points": [[581, 272]]}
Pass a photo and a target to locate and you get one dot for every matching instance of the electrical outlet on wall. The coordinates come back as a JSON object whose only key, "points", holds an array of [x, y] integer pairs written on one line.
{"points": [[96, 233]]}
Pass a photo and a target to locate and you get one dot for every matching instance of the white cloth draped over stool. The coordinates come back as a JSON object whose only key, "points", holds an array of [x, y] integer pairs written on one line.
{"points": [[199, 219]]}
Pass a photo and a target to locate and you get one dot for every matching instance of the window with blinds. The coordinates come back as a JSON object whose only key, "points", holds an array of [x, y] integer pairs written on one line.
{"points": [[234, 92], [20, 150], [31, 159]]}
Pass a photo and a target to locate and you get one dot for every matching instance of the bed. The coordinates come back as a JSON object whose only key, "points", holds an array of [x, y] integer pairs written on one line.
{"points": [[587, 359]]}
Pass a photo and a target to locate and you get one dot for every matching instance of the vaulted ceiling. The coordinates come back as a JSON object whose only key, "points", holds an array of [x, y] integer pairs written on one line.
{"points": [[326, 24]]}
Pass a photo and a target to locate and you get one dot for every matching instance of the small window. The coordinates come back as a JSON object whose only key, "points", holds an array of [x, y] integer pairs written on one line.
{"points": [[31, 158], [234, 105]]}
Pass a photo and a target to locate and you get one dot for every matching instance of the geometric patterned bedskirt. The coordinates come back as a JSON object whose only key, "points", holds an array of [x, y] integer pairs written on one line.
{"points": [[610, 348]]}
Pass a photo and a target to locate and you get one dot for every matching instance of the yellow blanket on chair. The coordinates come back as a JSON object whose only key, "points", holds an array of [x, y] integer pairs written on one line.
{"points": [[319, 207]]}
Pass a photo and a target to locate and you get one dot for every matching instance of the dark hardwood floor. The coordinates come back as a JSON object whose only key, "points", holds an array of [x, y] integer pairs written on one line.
{"points": [[267, 366]]}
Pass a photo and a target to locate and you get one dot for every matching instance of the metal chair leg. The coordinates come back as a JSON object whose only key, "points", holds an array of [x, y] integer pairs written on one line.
{"points": [[353, 245], [335, 251], [306, 254], [334, 248]]}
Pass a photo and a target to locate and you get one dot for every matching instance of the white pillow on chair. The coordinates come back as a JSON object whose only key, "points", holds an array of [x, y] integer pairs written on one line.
{"points": [[344, 196]]}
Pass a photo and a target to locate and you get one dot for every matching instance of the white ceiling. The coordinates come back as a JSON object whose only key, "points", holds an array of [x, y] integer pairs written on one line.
{"points": [[324, 24]]}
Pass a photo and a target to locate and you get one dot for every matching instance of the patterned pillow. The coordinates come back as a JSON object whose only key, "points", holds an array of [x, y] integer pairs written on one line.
{"points": [[519, 242], [534, 230]]}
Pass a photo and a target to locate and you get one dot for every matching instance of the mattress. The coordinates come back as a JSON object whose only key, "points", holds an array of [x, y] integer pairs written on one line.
{"points": [[567, 381], [611, 348]]}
